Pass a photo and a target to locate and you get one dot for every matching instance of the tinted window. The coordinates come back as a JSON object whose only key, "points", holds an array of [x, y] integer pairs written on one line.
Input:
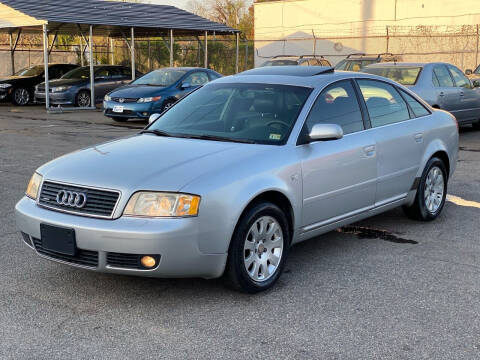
{"points": [[403, 75], [385, 105], [460, 79], [103, 73], [417, 108], [213, 76], [54, 72], [337, 104], [279, 62], [31, 71], [341, 65], [261, 113], [161, 77], [197, 78], [442, 76]]}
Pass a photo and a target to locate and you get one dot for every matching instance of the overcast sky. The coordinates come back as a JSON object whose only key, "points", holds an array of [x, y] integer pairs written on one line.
{"points": [[178, 3]]}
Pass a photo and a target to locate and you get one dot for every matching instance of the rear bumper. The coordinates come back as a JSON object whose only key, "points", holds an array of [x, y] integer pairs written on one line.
{"points": [[175, 241]]}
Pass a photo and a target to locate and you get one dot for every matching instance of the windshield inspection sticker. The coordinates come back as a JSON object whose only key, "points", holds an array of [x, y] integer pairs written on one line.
{"points": [[275, 137]]}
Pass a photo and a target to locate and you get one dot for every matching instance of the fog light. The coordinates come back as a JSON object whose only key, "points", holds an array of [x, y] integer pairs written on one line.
{"points": [[148, 261], [145, 114]]}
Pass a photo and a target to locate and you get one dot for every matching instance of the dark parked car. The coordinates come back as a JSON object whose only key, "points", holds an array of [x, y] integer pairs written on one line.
{"points": [[442, 85], [356, 62], [74, 87], [155, 92], [304, 60], [19, 88]]}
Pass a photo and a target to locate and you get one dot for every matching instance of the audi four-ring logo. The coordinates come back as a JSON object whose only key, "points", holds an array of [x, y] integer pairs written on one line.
{"points": [[72, 199]]}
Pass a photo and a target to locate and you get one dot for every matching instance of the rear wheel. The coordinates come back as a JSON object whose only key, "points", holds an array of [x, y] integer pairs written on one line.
{"points": [[20, 97], [259, 248], [83, 99], [431, 192]]}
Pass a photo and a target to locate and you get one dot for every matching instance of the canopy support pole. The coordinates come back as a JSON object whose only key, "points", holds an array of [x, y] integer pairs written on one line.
{"points": [[92, 74], [171, 47], [132, 51], [45, 64], [236, 52], [206, 50], [13, 47]]}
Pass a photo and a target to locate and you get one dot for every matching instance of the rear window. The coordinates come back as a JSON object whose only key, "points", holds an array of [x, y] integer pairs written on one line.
{"points": [[403, 75], [279, 63]]}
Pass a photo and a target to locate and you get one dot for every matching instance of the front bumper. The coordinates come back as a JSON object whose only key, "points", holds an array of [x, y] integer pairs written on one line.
{"points": [[131, 110], [175, 240], [5, 94], [62, 98]]}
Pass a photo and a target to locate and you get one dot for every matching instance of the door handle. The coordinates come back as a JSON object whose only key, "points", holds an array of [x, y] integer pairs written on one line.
{"points": [[462, 93], [441, 93], [369, 150], [419, 138]]}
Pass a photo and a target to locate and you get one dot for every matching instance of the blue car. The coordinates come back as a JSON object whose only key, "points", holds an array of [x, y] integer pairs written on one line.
{"points": [[154, 92]]}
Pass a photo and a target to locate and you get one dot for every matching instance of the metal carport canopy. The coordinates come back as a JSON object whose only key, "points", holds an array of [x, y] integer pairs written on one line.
{"points": [[105, 18]]}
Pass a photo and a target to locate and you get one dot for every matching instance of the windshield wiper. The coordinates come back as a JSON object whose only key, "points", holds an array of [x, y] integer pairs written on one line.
{"points": [[218, 138], [156, 132]]}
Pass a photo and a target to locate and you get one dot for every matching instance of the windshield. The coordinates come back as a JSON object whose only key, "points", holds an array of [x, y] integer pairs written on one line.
{"points": [[260, 113], [78, 73], [341, 65], [405, 75], [279, 63], [161, 77], [477, 70], [36, 70]]}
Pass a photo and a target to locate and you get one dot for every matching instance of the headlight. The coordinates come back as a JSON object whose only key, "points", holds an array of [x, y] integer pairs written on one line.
{"points": [[5, 86], [107, 98], [149, 99], [158, 204], [34, 186], [60, 88]]}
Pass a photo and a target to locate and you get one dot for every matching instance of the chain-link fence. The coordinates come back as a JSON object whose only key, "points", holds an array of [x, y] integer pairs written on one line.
{"points": [[149, 54], [458, 45]]}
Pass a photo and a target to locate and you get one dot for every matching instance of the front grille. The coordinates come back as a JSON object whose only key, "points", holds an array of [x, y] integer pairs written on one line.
{"points": [[82, 257], [100, 203], [126, 261], [125, 100]]}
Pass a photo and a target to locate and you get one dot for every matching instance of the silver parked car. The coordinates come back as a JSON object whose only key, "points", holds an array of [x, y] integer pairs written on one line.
{"points": [[226, 180], [442, 85]]}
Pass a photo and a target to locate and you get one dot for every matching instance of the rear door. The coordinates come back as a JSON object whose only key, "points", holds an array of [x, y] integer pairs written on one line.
{"points": [[339, 176], [399, 140], [447, 94], [469, 98]]}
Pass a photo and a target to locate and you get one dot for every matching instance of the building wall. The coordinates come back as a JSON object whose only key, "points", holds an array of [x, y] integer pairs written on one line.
{"points": [[423, 29]]}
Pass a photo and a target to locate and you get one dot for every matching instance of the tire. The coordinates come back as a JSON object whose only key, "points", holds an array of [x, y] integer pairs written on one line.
{"points": [[476, 125], [250, 268], [119, 119], [83, 99], [167, 105], [423, 208], [21, 97]]}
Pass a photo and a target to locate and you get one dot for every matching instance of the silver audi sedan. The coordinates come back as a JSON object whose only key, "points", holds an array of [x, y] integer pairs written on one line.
{"points": [[442, 85], [228, 179]]}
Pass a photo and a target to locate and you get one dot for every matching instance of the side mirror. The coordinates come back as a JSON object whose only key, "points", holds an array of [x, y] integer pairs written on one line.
{"points": [[153, 118], [468, 72], [476, 83], [185, 85], [325, 132]]}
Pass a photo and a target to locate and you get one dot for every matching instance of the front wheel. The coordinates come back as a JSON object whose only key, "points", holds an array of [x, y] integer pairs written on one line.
{"points": [[259, 248], [83, 99], [476, 125], [167, 105], [20, 97], [431, 192]]}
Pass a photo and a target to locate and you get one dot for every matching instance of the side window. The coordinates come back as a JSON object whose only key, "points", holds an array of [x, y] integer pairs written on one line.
{"points": [[103, 73], [443, 77], [460, 79], [197, 78], [115, 73], [418, 109], [303, 63], [337, 104], [126, 72], [384, 104], [54, 72], [213, 76]]}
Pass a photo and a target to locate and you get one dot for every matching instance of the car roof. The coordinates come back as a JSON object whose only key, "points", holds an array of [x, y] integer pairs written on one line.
{"points": [[396, 63], [308, 76]]}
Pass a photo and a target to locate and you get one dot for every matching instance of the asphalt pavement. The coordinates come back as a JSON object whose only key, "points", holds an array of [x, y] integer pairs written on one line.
{"points": [[385, 288]]}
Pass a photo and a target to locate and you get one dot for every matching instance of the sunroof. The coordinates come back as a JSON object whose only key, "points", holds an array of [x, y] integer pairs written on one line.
{"points": [[293, 70]]}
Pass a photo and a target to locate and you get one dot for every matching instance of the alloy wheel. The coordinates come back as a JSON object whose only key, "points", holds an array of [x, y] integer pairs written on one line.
{"points": [[434, 189], [263, 248], [21, 96], [83, 99]]}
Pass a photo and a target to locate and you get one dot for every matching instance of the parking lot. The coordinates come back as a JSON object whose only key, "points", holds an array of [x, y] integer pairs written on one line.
{"points": [[386, 288]]}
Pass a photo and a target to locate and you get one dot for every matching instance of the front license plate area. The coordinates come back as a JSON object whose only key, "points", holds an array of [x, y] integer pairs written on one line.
{"points": [[118, 109], [58, 239]]}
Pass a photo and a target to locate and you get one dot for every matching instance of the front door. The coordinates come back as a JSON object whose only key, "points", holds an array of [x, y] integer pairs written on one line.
{"points": [[339, 175], [447, 93], [469, 98]]}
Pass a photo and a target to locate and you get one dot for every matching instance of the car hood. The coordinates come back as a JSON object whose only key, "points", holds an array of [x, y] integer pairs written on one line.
{"points": [[62, 82], [137, 91], [145, 162], [9, 79]]}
